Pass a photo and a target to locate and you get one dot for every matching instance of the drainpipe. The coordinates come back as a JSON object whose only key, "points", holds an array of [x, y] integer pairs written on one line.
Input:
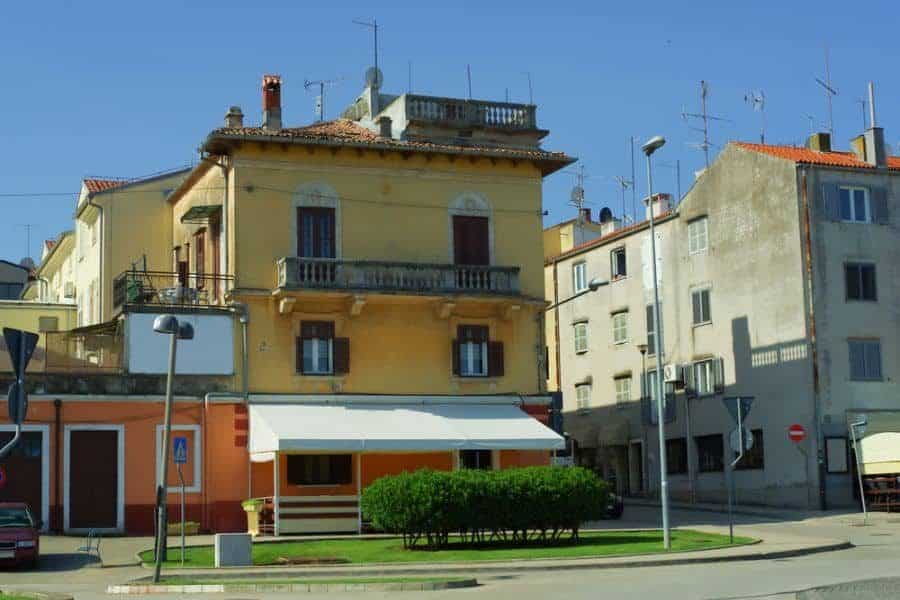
{"points": [[556, 323], [90, 201], [808, 256], [57, 432], [243, 313]]}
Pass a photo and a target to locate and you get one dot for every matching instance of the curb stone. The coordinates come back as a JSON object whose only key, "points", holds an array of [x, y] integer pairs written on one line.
{"points": [[36, 595], [231, 588]]}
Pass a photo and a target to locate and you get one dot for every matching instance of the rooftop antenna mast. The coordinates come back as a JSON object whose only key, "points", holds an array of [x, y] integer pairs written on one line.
{"points": [[758, 101], [576, 197], [373, 25], [862, 105], [677, 166], [28, 227], [830, 93], [634, 215], [530, 90], [624, 183], [706, 118], [812, 123], [320, 99], [469, 80]]}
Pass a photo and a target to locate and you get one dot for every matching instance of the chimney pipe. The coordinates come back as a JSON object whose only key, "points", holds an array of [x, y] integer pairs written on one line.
{"points": [[586, 215], [384, 127], [271, 88], [872, 124], [234, 118]]}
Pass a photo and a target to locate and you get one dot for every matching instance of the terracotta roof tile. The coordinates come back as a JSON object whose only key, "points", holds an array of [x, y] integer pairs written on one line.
{"points": [[345, 130], [99, 185], [811, 157]]}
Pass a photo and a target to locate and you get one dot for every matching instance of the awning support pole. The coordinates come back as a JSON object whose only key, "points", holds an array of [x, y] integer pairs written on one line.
{"points": [[359, 494], [276, 501]]}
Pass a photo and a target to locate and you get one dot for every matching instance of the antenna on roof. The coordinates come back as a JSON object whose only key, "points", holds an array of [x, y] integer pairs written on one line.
{"points": [[409, 78], [469, 81], [624, 184], [812, 123], [373, 25], [677, 166], [633, 186], [706, 118], [757, 99], [862, 105], [530, 90], [830, 92], [320, 99], [28, 227], [576, 196]]}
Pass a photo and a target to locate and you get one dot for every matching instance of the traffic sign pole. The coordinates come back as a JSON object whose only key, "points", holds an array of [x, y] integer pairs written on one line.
{"points": [[739, 411], [21, 345], [181, 479]]}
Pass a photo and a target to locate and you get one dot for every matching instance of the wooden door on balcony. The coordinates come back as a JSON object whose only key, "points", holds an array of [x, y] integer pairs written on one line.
{"points": [[315, 232], [471, 242]]}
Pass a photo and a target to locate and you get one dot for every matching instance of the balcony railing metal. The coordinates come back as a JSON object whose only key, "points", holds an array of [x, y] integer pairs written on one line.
{"points": [[418, 278], [169, 288], [471, 113]]}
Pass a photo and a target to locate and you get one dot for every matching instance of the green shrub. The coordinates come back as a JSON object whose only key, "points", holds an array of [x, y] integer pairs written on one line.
{"points": [[513, 505]]}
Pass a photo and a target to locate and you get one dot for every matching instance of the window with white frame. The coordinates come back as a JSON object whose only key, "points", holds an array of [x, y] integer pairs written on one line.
{"points": [[582, 395], [579, 277], [620, 327], [854, 204], [704, 377], [623, 389], [581, 340], [700, 306], [698, 234], [473, 350], [617, 263], [865, 360], [316, 347]]}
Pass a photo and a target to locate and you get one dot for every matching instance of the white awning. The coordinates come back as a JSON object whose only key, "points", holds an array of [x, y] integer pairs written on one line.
{"points": [[285, 427]]}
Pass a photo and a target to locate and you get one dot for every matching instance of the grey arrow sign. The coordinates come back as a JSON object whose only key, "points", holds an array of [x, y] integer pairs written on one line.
{"points": [[21, 345], [731, 403]]}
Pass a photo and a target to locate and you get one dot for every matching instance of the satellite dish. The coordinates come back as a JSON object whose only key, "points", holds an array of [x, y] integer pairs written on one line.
{"points": [[577, 195], [606, 215], [374, 78], [27, 262]]}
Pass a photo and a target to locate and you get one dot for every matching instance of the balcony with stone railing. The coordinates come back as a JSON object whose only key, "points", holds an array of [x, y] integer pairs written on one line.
{"points": [[461, 113], [295, 273]]}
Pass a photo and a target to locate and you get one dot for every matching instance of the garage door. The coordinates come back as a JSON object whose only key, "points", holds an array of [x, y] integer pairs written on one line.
{"points": [[22, 470], [93, 479]]}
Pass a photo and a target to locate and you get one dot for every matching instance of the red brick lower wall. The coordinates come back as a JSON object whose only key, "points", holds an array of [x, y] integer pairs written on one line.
{"points": [[224, 517]]}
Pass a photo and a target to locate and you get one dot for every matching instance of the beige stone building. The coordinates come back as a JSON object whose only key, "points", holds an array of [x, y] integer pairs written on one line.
{"points": [[778, 277]]}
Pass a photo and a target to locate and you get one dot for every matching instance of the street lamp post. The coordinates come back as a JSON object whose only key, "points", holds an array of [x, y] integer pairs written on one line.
{"points": [[642, 348], [169, 325], [651, 146], [862, 493]]}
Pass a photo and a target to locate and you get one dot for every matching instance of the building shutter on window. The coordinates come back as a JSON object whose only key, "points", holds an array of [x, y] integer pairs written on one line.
{"points": [[831, 201], [873, 360], [322, 330], [878, 197], [857, 360], [454, 354], [495, 359], [690, 387], [472, 333], [299, 354], [341, 351], [718, 365], [669, 408]]}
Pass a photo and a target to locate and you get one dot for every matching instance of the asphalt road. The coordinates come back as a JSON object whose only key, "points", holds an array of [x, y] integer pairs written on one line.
{"points": [[876, 555]]}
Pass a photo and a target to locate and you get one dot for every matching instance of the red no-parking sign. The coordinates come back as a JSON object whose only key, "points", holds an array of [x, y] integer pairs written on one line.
{"points": [[796, 433]]}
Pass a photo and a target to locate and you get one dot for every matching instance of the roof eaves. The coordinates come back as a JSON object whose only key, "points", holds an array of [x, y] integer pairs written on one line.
{"points": [[132, 182], [196, 173], [615, 235]]}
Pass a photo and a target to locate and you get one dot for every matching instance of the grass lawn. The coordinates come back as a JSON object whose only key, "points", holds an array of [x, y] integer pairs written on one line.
{"points": [[277, 581], [390, 550], [14, 597]]}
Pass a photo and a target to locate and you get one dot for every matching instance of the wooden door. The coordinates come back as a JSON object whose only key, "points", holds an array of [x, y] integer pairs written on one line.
{"points": [[93, 479], [471, 241], [23, 470]]}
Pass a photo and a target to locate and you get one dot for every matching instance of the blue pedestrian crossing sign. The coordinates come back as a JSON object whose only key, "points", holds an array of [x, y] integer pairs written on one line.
{"points": [[180, 450]]}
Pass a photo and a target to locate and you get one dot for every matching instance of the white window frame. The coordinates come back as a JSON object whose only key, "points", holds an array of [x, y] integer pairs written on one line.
{"points": [[580, 334], [620, 326], [196, 456], [704, 319], [582, 396], [467, 362], [694, 235], [704, 367], [623, 389], [852, 189], [614, 264], [579, 277], [315, 356]]}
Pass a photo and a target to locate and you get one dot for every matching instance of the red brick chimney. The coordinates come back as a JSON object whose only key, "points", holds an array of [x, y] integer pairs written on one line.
{"points": [[271, 89]]}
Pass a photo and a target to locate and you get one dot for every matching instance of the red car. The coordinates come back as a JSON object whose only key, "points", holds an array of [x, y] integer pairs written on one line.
{"points": [[20, 536]]}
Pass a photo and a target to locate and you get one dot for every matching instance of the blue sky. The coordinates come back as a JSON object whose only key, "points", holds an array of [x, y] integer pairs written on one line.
{"points": [[127, 88]]}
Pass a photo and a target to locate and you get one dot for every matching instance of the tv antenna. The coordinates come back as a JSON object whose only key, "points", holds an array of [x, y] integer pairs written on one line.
{"points": [[757, 99], [576, 196], [706, 118], [28, 227], [320, 99], [624, 183], [862, 105], [469, 81], [830, 93], [530, 90], [373, 25], [677, 166], [812, 123]]}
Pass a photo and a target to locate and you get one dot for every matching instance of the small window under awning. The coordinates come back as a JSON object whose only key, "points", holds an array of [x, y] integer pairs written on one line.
{"points": [[289, 427], [200, 214]]}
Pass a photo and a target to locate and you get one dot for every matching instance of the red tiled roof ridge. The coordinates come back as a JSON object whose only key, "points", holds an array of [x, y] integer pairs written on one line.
{"points": [[94, 184], [802, 154]]}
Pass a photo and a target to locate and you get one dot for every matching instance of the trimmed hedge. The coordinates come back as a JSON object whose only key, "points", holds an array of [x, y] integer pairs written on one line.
{"points": [[512, 505]]}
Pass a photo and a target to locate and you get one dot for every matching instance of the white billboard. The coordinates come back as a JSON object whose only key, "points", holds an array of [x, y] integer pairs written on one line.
{"points": [[211, 352]]}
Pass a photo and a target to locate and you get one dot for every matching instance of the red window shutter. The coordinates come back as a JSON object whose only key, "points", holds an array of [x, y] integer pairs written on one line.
{"points": [[495, 359], [300, 354], [471, 243], [341, 355], [454, 353]]}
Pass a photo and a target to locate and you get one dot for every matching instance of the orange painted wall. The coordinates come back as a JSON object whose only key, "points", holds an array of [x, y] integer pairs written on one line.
{"points": [[523, 458], [315, 490], [262, 479], [379, 465]]}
